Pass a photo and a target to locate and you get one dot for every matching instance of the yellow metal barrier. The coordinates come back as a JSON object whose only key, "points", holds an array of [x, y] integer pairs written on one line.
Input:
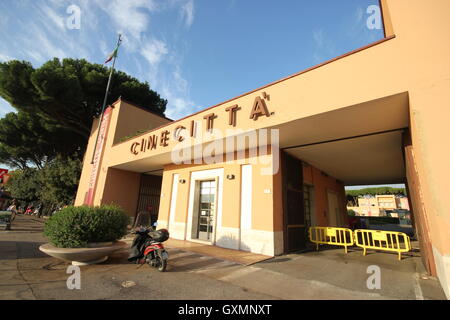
{"points": [[383, 240], [333, 236]]}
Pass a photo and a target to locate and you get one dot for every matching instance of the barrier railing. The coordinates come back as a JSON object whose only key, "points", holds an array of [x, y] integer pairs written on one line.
{"points": [[383, 240], [331, 236]]}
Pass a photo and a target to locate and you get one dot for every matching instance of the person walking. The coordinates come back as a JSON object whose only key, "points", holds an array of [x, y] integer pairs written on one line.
{"points": [[13, 209]]}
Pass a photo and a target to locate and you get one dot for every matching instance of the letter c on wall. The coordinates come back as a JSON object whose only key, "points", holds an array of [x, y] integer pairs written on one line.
{"points": [[134, 148]]}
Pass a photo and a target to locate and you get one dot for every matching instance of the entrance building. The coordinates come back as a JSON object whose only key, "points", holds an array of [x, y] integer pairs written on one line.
{"points": [[254, 172]]}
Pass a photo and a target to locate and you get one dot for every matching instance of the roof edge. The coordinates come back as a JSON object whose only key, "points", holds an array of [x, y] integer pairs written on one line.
{"points": [[140, 107], [269, 85]]}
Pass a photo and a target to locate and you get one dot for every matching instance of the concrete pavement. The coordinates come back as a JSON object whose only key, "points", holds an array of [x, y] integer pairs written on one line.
{"points": [[331, 274], [26, 273]]}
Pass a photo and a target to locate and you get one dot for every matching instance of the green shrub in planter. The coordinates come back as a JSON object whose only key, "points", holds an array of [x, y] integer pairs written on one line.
{"points": [[75, 227]]}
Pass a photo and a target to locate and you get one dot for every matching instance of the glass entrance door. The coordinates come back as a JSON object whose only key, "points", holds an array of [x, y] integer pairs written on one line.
{"points": [[206, 210]]}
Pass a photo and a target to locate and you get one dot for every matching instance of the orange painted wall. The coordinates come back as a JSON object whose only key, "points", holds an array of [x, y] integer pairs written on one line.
{"points": [[123, 190], [321, 184]]}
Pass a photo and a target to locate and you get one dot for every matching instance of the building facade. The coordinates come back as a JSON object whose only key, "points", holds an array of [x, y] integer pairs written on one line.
{"points": [[253, 172], [379, 205]]}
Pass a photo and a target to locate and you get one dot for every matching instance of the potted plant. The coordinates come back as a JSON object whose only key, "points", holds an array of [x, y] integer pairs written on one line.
{"points": [[85, 235]]}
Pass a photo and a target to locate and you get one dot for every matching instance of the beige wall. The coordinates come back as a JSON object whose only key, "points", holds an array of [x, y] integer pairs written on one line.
{"points": [[132, 119], [386, 201], [229, 232], [123, 190], [262, 204]]}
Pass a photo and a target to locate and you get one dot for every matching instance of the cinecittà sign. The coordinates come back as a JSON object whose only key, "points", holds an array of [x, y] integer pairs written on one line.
{"points": [[162, 139]]}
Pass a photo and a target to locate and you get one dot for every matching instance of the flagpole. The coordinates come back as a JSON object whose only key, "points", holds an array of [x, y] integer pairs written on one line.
{"points": [[106, 97]]}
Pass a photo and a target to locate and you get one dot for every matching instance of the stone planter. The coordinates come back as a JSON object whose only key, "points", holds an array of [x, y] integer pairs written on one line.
{"points": [[93, 254]]}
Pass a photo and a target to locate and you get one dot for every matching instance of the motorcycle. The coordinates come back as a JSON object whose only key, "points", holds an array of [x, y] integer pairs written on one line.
{"points": [[29, 211], [37, 211], [147, 248]]}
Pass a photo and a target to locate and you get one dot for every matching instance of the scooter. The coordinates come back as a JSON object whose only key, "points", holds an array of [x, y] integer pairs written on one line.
{"points": [[37, 211], [147, 248], [29, 210]]}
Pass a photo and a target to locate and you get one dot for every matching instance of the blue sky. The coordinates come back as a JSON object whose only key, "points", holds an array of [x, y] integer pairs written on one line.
{"points": [[195, 53]]}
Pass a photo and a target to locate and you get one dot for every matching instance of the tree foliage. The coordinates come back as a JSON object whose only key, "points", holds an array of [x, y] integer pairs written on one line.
{"points": [[24, 184], [69, 93], [54, 184], [56, 104], [59, 181], [376, 191], [27, 140]]}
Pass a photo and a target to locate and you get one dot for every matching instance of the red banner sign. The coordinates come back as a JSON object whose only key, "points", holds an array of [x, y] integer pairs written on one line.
{"points": [[89, 200], [3, 172]]}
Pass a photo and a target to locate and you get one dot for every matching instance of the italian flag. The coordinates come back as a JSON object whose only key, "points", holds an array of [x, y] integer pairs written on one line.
{"points": [[112, 55]]}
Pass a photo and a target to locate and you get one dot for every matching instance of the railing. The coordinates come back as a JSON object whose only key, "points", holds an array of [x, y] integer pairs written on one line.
{"points": [[391, 241], [383, 240], [332, 236]]}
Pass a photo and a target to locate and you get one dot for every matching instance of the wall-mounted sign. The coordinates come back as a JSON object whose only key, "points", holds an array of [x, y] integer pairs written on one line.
{"points": [[154, 141]]}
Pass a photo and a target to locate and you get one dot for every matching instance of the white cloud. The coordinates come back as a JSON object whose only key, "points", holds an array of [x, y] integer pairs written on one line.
{"points": [[179, 105], [130, 17], [186, 9], [147, 52], [324, 46], [54, 17], [318, 37], [356, 28], [359, 14], [44, 35], [153, 51], [187, 12], [36, 56], [176, 90], [46, 46], [180, 83], [104, 48]]}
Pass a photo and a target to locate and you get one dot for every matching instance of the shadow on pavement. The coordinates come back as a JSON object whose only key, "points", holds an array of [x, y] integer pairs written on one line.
{"points": [[20, 250]]}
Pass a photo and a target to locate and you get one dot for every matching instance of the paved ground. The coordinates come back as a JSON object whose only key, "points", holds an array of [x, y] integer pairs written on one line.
{"points": [[26, 273], [240, 257]]}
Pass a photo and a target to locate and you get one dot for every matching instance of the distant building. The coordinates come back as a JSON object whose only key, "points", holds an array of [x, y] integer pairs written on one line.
{"points": [[402, 203], [379, 205]]}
